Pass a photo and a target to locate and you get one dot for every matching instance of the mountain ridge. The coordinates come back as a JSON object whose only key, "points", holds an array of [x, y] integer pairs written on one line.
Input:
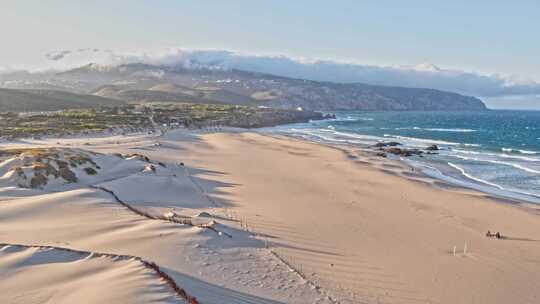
{"points": [[139, 81]]}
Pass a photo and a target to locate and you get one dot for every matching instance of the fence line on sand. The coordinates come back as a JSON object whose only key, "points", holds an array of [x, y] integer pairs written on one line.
{"points": [[290, 262]]}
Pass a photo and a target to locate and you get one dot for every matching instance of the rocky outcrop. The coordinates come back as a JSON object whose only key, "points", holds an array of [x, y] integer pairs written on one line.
{"points": [[391, 147], [386, 144], [403, 152]]}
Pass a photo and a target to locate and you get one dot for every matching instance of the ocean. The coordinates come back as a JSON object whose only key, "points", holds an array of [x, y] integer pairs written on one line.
{"points": [[495, 151]]}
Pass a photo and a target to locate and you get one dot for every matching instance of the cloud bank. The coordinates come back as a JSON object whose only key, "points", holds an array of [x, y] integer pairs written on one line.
{"points": [[423, 75], [57, 55]]}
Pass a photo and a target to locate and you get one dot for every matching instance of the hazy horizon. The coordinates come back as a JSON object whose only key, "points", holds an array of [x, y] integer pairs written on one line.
{"points": [[460, 46]]}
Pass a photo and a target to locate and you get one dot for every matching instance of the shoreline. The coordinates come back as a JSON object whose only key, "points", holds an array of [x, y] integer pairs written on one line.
{"points": [[529, 201], [450, 213], [443, 182], [356, 227], [474, 151]]}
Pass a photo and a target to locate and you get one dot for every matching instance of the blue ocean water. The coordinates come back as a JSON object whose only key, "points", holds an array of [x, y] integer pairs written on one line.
{"points": [[492, 151]]}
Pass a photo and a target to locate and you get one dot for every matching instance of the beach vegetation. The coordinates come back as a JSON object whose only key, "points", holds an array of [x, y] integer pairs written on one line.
{"points": [[90, 171]]}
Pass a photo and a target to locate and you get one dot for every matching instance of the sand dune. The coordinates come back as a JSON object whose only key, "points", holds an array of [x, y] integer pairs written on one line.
{"points": [[165, 192], [208, 265], [63, 169], [48, 275]]}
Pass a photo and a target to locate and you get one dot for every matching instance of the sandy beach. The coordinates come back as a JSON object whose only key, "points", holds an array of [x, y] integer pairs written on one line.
{"points": [[308, 224]]}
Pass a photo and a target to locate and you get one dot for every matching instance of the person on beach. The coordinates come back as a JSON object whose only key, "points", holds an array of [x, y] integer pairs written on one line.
{"points": [[496, 235]]}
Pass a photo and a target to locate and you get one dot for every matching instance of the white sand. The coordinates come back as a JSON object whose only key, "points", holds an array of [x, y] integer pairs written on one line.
{"points": [[38, 275], [353, 226], [209, 266], [366, 234]]}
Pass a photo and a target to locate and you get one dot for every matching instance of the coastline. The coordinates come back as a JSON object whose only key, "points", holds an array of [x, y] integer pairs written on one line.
{"points": [[438, 182], [356, 228], [470, 149], [432, 218]]}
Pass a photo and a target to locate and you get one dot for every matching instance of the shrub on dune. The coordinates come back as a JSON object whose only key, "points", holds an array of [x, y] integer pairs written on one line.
{"points": [[90, 171], [38, 180], [38, 167], [68, 175]]}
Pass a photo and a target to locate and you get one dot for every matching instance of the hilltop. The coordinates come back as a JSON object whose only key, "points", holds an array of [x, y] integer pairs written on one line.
{"points": [[139, 83]]}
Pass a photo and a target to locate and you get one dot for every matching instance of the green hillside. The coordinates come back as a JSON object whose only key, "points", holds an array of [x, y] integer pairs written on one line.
{"points": [[49, 100]]}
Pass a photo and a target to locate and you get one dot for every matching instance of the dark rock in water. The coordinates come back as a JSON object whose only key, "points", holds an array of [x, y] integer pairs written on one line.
{"points": [[433, 148], [396, 151], [403, 152], [387, 144], [330, 116], [381, 154]]}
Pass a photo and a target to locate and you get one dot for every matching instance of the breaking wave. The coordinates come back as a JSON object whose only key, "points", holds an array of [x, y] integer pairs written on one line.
{"points": [[464, 173], [438, 129]]}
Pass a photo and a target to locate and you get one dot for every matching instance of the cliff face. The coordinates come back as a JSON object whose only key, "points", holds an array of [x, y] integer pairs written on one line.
{"points": [[329, 96], [146, 83]]}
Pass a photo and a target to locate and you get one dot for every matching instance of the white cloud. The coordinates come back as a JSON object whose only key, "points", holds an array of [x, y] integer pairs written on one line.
{"points": [[423, 75], [57, 55]]}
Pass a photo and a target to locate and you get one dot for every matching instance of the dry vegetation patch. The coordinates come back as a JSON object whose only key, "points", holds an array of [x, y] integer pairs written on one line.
{"points": [[37, 167]]}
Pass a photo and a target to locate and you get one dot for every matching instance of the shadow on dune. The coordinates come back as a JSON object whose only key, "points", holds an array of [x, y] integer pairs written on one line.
{"points": [[212, 188], [322, 252], [195, 171], [212, 294], [510, 238]]}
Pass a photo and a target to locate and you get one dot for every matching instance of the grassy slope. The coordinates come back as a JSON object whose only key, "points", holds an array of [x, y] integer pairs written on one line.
{"points": [[48, 100]]}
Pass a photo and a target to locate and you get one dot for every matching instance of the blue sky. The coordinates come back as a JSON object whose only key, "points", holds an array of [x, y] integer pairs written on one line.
{"points": [[490, 43], [487, 36]]}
